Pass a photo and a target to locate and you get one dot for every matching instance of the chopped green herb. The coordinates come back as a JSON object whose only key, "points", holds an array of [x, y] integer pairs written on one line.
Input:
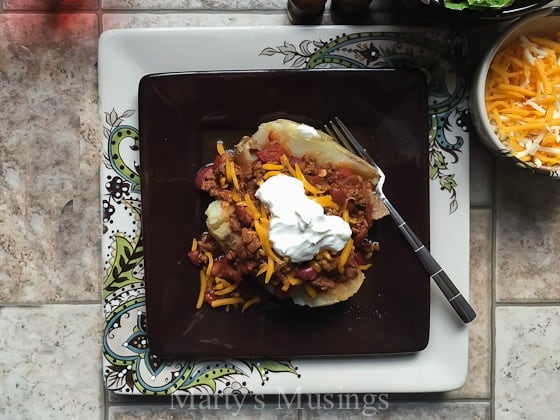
{"points": [[477, 4]]}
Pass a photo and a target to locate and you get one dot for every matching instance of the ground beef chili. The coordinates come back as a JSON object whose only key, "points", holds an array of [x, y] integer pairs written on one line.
{"points": [[239, 264]]}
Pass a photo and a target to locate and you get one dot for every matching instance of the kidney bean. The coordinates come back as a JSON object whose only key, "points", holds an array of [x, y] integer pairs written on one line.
{"points": [[360, 259], [243, 216], [209, 296], [202, 174], [338, 195], [271, 152], [197, 258], [222, 268], [344, 172], [306, 273]]}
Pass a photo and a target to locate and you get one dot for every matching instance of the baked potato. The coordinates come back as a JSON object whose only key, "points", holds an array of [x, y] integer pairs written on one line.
{"points": [[341, 182]]}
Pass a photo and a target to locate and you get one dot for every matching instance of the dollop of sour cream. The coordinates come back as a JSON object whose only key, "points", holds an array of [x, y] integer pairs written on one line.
{"points": [[299, 228]]}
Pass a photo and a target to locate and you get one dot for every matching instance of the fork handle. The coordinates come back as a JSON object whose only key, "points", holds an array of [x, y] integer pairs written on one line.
{"points": [[442, 280]]}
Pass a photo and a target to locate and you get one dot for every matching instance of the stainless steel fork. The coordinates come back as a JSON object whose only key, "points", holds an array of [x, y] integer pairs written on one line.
{"points": [[338, 130]]}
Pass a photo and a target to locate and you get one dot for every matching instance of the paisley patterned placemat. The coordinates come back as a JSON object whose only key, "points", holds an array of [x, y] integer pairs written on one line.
{"points": [[129, 367]]}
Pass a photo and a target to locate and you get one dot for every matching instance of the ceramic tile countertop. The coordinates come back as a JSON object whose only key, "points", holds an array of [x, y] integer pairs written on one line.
{"points": [[50, 280]]}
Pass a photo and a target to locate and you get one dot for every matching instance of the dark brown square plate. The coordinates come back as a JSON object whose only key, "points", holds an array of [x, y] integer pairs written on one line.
{"points": [[181, 116]]}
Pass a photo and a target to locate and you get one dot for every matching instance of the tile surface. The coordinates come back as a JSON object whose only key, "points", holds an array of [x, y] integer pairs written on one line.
{"points": [[406, 411], [49, 157], [50, 362], [209, 409], [351, 407], [527, 240], [152, 20], [51, 5], [478, 384], [527, 362], [194, 4]]}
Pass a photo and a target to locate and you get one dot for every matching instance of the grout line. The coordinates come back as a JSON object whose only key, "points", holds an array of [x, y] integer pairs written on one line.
{"points": [[49, 303], [488, 206], [105, 398], [527, 303], [48, 12], [99, 13], [431, 399], [193, 11]]}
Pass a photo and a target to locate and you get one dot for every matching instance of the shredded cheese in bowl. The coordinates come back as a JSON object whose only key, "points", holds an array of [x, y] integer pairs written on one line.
{"points": [[522, 97]]}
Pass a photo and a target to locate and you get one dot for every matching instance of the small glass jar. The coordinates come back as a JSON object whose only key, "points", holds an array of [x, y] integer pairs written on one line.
{"points": [[350, 11], [306, 12]]}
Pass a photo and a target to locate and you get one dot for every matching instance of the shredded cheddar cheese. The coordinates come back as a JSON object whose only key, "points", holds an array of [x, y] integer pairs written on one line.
{"points": [[290, 280], [345, 215], [522, 98], [226, 290], [316, 266], [250, 303], [325, 254], [269, 269], [251, 208], [262, 270], [273, 166], [345, 254], [294, 281], [326, 201], [270, 174], [286, 163], [306, 184], [261, 227], [235, 196], [202, 289], [226, 301], [230, 172], [310, 291], [210, 263], [223, 291], [231, 176]]}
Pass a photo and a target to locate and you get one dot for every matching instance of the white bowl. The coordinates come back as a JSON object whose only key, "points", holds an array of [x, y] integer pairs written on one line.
{"points": [[543, 22]]}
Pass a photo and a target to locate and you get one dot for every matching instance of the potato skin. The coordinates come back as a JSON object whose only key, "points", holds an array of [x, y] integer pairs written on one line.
{"points": [[322, 147], [217, 221]]}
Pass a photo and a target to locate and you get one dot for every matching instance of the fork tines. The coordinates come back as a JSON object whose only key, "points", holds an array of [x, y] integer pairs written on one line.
{"points": [[340, 132]]}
